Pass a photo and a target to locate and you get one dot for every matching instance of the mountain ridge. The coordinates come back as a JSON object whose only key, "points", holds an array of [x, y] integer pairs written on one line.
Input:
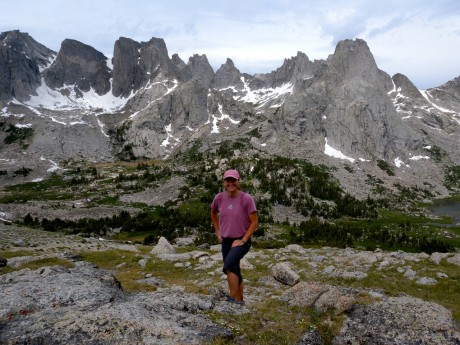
{"points": [[145, 105]]}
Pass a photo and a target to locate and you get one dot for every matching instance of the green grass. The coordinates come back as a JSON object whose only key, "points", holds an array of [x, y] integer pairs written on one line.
{"points": [[11, 253], [275, 322], [53, 188], [132, 271], [133, 236]]}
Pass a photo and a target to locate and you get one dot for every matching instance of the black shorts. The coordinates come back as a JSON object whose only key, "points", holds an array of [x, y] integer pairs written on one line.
{"points": [[232, 256]]}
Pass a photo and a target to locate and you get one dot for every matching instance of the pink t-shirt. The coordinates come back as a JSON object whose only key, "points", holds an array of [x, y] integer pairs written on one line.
{"points": [[233, 213]]}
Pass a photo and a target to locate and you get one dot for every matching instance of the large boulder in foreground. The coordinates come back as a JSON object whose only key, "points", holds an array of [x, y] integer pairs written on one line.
{"points": [[86, 305], [320, 296], [398, 320]]}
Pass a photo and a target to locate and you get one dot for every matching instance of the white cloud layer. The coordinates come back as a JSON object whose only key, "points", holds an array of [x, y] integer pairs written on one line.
{"points": [[415, 37]]}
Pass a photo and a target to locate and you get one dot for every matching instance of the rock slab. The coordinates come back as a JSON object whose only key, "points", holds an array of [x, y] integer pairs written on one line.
{"points": [[398, 320], [86, 305]]}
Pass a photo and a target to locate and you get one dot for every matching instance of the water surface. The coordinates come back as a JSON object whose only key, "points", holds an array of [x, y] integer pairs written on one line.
{"points": [[447, 208]]}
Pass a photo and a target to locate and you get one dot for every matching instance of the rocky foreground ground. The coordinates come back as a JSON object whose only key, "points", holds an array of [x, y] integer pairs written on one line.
{"points": [[82, 303]]}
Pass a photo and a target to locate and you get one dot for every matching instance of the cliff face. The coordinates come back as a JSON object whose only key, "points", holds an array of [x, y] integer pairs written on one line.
{"points": [[80, 66], [21, 59], [135, 64], [347, 103]]}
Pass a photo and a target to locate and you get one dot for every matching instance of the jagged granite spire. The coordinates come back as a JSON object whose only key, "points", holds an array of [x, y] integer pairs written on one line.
{"points": [[201, 69], [21, 58], [79, 65], [135, 64], [228, 75]]}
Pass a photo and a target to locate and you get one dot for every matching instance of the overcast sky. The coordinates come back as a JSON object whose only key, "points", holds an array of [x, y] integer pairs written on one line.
{"points": [[418, 38]]}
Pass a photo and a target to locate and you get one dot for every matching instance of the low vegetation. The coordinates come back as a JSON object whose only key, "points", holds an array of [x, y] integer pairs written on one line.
{"points": [[14, 134], [331, 216]]}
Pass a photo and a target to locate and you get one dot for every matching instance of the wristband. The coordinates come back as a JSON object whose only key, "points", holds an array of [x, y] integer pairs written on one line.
{"points": [[243, 241]]}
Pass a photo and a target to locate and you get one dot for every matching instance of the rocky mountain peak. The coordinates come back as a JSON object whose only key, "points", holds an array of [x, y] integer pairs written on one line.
{"points": [[201, 69], [453, 87], [356, 115], [296, 68], [154, 56], [135, 64], [80, 65], [353, 59], [125, 58], [228, 75], [406, 86], [181, 69], [21, 59], [35, 50]]}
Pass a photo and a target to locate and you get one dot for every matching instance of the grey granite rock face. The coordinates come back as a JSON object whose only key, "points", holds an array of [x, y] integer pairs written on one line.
{"points": [[79, 65], [135, 64], [228, 75], [21, 58], [347, 103], [403, 83], [398, 320], [55, 305], [181, 69], [448, 94], [201, 70], [295, 69]]}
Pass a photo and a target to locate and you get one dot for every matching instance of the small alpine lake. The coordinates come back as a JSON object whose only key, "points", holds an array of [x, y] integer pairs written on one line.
{"points": [[447, 207]]}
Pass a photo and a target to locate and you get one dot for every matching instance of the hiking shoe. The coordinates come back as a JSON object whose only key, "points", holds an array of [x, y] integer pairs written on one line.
{"points": [[234, 301]]}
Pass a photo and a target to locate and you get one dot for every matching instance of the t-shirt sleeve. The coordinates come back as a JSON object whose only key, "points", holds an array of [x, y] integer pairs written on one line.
{"points": [[251, 205], [215, 203]]}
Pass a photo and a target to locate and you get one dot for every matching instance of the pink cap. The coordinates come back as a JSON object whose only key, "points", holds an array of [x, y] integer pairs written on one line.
{"points": [[231, 173]]}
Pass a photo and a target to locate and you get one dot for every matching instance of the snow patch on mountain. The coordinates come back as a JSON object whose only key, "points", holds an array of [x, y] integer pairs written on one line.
{"points": [[416, 158], [332, 152], [48, 64], [265, 96], [399, 163], [54, 166], [428, 97], [216, 120], [56, 100], [399, 100], [23, 125], [170, 139]]}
